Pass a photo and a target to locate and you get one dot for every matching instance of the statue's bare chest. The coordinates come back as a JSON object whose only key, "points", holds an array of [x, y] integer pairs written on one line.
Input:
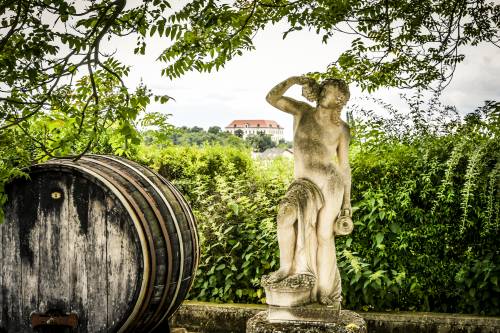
{"points": [[312, 134]]}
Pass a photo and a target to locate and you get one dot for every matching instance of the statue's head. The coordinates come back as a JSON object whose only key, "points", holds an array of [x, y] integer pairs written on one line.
{"points": [[333, 93], [330, 93]]}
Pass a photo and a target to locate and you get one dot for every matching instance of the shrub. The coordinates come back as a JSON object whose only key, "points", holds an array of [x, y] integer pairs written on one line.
{"points": [[427, 221], [235, 203]]}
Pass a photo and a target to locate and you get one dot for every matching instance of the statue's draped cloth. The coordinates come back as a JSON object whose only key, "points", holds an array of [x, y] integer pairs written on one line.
{"points": [[306, 198]]}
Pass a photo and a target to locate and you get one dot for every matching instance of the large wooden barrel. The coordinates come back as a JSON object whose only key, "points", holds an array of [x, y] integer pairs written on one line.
{"points": [[103, 238]]}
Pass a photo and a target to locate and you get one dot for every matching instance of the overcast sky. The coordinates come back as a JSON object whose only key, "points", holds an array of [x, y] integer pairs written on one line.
{"points": [[238, 90]]}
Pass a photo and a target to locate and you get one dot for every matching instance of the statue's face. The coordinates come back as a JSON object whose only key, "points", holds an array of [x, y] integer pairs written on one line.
{"points": [[332, 97]]}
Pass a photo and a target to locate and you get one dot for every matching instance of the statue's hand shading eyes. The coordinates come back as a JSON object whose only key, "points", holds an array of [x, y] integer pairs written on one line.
{"points": [[304, 80]]}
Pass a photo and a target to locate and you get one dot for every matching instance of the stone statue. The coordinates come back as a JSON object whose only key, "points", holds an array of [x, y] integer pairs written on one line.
{"points": [[317, 204]]}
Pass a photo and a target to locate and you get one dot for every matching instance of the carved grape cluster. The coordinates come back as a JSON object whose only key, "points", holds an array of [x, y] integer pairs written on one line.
{"points": [[311, 91]]}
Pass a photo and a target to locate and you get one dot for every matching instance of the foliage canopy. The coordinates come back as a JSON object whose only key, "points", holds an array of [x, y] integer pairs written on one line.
{"points": [[397, 43], [44, 45], [52, 58]]}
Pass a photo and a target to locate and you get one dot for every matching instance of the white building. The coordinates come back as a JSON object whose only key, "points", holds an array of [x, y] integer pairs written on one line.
{"points": [[252, 127]]}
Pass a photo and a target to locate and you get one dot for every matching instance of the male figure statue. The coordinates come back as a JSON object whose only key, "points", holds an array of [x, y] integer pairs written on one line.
{"points": [[319, 198]]}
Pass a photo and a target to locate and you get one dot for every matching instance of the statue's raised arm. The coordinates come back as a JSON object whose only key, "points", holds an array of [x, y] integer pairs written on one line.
{"points": [[275, 95]]}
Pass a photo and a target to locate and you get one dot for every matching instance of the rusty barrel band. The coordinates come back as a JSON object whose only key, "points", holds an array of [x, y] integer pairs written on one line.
{"points": [[191, 220]]}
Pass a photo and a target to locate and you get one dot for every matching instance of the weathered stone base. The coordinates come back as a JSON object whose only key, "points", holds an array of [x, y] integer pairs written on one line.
{"points": [[348, 322], [294, 290], [311, 312]]}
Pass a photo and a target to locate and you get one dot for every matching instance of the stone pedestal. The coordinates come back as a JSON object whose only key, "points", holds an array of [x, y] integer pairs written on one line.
{"points": [[291, 309], [310, 312], [346, 322], [294, 290]]}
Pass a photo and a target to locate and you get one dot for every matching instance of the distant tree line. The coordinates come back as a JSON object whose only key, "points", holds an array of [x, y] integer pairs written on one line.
{"points": [[197, 136]]}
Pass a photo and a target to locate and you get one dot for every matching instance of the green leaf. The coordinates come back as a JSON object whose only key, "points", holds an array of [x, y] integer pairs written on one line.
{"points": [[395, 228], [494, 280], [153, 30]]}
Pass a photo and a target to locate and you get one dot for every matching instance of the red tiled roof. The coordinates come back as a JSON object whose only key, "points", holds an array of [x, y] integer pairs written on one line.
{"points": [[254, 123]]}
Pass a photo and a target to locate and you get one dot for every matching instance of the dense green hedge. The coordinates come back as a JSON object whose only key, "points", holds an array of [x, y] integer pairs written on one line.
{"points": [[427, 222], [235, 203], [426, 210]]}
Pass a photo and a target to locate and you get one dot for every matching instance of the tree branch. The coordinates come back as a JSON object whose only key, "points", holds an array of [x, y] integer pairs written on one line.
{"points": [[11, 31], [247, 20]]}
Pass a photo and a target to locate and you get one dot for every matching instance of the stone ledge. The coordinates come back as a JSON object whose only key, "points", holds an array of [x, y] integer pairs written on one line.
{"points": [[429, 322], [204, 317], [310, 312], [347, 322]]}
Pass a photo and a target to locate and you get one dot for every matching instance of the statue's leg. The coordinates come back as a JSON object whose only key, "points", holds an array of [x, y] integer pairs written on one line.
{"points": [[287, 216], [329, 284]]}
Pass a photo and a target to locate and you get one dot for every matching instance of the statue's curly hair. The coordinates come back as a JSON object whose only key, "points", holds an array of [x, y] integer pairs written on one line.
{"points": [[312, 91]]}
